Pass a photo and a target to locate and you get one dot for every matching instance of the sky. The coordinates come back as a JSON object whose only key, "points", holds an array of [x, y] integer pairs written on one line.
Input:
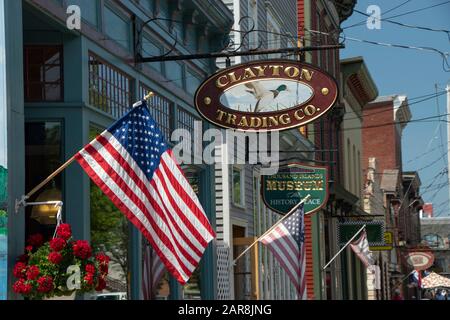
{"points": [[413, 73]]}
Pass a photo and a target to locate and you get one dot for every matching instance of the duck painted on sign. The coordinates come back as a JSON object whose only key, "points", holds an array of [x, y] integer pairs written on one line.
{"points": [[266, 95], [265, 98]]}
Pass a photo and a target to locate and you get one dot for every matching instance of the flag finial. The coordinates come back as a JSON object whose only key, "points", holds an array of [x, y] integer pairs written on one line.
{"points": [[149, 95]]}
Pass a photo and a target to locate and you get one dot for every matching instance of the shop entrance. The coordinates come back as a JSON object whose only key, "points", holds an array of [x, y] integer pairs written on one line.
{"points": [[246, 275]]}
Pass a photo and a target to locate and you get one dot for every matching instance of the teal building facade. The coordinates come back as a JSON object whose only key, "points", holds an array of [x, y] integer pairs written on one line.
{"points": [[66, 84]]}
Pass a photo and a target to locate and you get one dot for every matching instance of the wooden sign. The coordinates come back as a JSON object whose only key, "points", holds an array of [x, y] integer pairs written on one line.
{"points": [[266, 95]]}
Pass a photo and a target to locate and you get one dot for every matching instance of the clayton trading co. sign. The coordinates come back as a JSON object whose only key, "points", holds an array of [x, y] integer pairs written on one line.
{"points": [[419, 260], [282, 191], [266, 95]]}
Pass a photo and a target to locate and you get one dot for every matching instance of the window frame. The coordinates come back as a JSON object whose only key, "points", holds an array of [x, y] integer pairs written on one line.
{"points": [[241, 170], [43, 83], [125, 75]]}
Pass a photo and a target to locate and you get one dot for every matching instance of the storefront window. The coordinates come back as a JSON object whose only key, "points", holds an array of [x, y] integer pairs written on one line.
{"points": [[238, 185], [109, 233], [43, 155], [43, 73]]}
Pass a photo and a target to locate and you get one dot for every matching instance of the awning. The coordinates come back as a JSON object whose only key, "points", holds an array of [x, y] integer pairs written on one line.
{"points": [[433, 280]]}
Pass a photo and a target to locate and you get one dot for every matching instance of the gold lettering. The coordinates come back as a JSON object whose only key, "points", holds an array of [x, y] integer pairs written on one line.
{"points": [[290, 185], [233, 78], [253, 124], [248, 73], [275, 70], [231, 119], [273, 121], [264, 122], [261, 70], [319, 185], [243, 122], [219, 83], [295, 72], [306, 74], [271, 185], [299, 116], [281, 185], [285, 119], [310, 110], [221, 114]]}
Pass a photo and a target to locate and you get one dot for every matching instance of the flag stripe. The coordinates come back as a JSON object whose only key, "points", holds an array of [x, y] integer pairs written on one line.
{"points": [[141, 223], [287, 244], [133, 166], [292, 266], [285, 249], [115, 149], [280, 258], [188, 203], [128, 186]]}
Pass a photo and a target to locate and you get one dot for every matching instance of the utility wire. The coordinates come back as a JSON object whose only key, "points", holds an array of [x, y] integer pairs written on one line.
{"points": [[399, 15], [447, 32]]}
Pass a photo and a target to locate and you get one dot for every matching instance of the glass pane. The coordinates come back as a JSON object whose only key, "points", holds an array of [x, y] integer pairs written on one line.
{"points": [[35, 92], [109, 233], [53, 92], [35, 73], [236, 186], [51, 55], [34, 55], [52, 73], [43, 155]]}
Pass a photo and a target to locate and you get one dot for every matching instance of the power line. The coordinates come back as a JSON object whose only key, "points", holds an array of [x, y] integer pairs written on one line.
{"points": [[444, 55], [404, 24], [399, 15], [390, 110]]}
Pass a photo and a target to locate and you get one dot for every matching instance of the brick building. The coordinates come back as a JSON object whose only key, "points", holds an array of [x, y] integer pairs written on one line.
{"points": [[383, 122]]}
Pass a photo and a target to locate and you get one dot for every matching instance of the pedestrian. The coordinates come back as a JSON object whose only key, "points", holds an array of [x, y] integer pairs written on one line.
{"points": [[397, 295]]}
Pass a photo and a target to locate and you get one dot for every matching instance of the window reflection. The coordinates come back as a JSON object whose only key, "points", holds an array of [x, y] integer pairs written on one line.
{"points": [[43, 155], [43, 73]]}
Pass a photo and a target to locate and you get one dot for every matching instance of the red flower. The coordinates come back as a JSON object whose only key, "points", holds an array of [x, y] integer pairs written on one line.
{"points": [[26, 288], [22, 287], [102, 258], [19, 270], [32, 272], [29, 248], [36, 240], [82, 249], [101, 284], [45, 284], [89, 278], [55, 257], [57, 244], [104, 269], [64, 231], [90, 268]]}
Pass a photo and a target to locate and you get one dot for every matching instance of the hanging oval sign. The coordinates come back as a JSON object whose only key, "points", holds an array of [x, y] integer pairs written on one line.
{"points": [[266, 95], [420, 260]]}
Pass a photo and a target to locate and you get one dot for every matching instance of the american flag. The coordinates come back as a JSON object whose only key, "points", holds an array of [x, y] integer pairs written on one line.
{"points": [[152, 271], [361, 248], [133, 165], [287, 242]]}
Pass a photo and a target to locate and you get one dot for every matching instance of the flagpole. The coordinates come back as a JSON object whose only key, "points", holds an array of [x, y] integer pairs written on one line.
{"points": [[271, 228], [348, 242]]}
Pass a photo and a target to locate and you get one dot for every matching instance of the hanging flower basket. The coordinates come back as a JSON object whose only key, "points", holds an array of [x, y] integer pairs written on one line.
{"points": [[60, 267]]}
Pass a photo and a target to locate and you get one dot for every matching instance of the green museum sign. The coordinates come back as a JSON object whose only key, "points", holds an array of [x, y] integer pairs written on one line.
{"points": [[374, 229], [282, 191]]}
